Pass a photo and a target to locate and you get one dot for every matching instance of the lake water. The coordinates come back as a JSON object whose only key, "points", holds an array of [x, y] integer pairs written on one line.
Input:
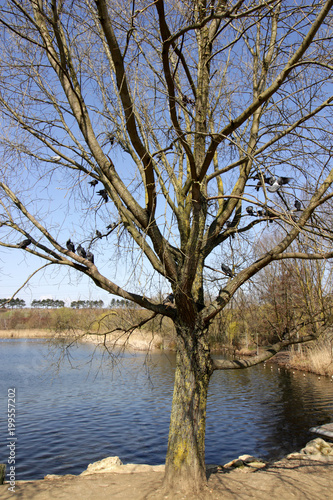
{"points": [[87, 411]]}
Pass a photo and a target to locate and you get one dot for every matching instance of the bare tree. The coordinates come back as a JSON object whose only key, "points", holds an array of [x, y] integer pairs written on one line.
{"points": [[189, 129], [293, 294]]}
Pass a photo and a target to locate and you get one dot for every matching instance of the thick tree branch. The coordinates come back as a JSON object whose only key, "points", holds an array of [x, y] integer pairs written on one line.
{"points": [[269, 352], [128, 105]]}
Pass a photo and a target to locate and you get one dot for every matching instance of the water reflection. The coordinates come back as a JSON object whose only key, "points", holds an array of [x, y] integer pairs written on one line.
{"points": [[78, 416]]}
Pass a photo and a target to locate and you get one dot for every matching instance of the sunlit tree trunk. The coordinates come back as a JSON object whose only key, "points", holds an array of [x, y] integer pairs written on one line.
{"points": [[185, 461]]}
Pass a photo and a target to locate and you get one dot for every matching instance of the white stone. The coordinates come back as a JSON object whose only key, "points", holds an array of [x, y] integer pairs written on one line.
{"points": [[316, 446], [256, 465], [106, 465], [247, 459], [317, 449]]}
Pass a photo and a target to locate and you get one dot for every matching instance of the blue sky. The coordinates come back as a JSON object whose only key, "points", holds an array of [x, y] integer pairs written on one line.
{"points": [[65, 216], [60, 284], [74, 217]]}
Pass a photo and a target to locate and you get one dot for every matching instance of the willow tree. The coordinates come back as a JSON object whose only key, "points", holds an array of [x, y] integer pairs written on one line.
{"points": [[203, 125]]}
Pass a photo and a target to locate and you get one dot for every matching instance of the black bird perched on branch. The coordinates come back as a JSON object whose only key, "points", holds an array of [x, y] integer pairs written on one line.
{"points": [[298, 205], [188, 100], [81, 252], [99, 234], [103, 194], [226, 270], [70, 245], [93, 183], [25, 243], [260, 179], [229, 224], [250, 210], [90, 257], [169, 298], [112, 226], [271, 215]]}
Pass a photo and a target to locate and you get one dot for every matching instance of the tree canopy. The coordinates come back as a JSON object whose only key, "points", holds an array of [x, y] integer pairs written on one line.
{"points": [[177, 134]]}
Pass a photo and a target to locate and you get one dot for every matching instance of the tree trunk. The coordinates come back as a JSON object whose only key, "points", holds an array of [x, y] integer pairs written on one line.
{"points": [[185, 461]]}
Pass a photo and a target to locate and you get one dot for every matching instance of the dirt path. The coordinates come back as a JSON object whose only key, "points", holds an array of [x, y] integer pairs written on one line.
{"points": [[284, 480]]}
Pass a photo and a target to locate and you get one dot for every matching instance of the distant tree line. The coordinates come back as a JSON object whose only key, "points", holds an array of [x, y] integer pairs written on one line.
{"points": [[48, 303], [12, 303], [56, 304], [86, 304], [120, 303], [114, 304]]}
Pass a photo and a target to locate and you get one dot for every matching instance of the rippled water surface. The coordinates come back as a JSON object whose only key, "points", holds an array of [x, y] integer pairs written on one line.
{"points": [[86, 411]]}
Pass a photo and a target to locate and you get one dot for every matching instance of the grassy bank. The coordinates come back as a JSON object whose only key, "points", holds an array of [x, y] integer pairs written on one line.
{"points": [[317, 358], [70, 322]]}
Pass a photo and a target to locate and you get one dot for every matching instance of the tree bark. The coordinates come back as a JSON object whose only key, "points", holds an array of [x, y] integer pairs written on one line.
{"points": [[185, 461]]}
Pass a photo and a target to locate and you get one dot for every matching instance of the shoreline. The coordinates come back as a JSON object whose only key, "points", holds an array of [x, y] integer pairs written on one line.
{"points": [[286, 478], [138, 340], [32, 333], [143, 340]]}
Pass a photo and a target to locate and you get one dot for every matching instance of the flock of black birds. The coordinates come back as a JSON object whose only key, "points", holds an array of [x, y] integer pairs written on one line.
{"points": [[87, 254], [266, 212], [187, 100], [70, 246], [80, 251], [274, 185], [102, 192]]}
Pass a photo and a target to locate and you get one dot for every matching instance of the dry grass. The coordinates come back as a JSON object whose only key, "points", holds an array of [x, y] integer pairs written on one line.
{"points": [[317, 359], [66, 321], [71, 323]]}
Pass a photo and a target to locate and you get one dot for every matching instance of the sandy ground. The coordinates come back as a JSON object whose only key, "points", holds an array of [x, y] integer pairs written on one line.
{"points": [[284, 480]]}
